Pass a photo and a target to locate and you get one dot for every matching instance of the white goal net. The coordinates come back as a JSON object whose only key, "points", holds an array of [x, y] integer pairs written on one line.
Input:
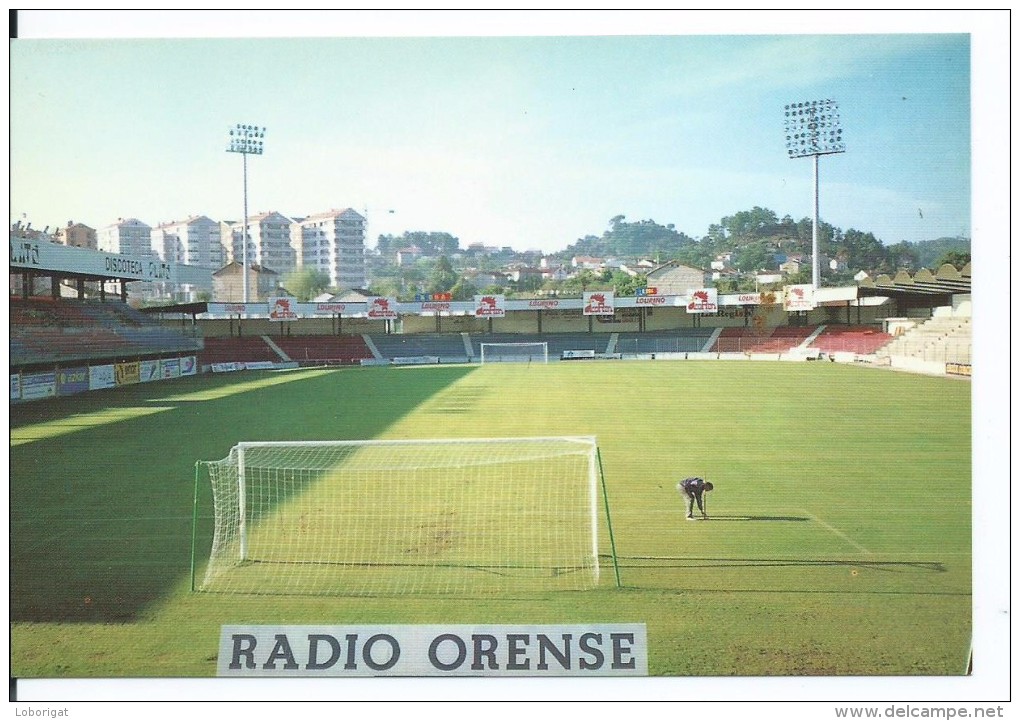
{"points": [[405, 517], [515, 352]]}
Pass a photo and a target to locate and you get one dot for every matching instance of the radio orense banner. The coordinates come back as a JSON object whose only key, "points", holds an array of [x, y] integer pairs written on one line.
{"points": [[616, 649]]}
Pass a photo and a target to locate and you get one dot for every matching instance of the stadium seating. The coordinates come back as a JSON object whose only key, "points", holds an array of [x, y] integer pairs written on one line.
{"points": [[686, 340], [939, 339], [557, 342], [445, 346], [324, 349], [232, 349], [769, 340], [861, 340], [44, 330]]}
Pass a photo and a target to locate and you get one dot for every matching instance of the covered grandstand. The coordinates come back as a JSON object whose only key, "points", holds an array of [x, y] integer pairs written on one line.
{"points": [[919, 323]]}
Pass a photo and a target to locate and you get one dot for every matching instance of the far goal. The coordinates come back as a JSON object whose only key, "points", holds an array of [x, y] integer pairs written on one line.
{"points": [[515, 352], [472, 516]]}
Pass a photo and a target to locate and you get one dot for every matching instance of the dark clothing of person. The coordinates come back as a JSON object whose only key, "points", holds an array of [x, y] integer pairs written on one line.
{"points": [[693, 490]]}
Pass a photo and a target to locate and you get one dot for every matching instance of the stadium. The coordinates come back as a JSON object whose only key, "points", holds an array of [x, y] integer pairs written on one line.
{"points": [[368, 463]]}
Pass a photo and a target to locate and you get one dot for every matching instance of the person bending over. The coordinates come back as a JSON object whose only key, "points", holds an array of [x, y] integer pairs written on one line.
{"points": [[693, 490]]}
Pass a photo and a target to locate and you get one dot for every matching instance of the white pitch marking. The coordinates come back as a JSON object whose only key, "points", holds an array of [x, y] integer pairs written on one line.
{"points": [[838, 532]]}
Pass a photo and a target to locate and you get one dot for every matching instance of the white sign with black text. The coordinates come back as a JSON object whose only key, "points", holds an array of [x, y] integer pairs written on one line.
{"points": [[615, 649]]}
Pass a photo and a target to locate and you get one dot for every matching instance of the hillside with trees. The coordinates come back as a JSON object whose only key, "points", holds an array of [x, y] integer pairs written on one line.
{"points": [[751, 241], [758, 239]]}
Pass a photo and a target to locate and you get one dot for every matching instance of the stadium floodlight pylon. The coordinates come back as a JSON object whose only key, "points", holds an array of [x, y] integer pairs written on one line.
{"points": [[522, 352], [391, 517]]}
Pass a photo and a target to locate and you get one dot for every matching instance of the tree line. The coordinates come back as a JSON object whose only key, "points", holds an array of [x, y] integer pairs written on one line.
{"points": [[756, 240]]}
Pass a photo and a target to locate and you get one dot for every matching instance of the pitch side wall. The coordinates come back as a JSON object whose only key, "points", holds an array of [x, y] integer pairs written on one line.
{"points": [[545, 321]]}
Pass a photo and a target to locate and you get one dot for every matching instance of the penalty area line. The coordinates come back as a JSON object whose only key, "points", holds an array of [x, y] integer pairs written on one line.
{"points": [[835, 530]]}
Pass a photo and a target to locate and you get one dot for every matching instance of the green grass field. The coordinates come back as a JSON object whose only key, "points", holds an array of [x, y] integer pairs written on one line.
{"points": [[839, 542]]}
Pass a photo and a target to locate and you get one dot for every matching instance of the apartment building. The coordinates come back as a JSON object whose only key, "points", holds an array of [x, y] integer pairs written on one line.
{"points": [[269, 242], [228, 283], [128, 236], [194, 241], [333, 243], [78, 235]]}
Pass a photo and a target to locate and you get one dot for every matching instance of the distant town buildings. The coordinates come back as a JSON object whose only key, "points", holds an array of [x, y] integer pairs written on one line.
{"points": [[269, 242], [408, 256], [333, 243], [194, 241], [675, 278], [228, 283], [128, 236], [78, 235]]}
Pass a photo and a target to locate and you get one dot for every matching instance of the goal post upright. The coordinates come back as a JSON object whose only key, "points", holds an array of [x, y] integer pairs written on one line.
{"points": [[194, 523], [242, 503], [609, 517]]}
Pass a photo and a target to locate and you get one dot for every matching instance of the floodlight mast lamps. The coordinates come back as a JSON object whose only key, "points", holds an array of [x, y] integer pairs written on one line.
{"points": [[813, 129], [246, 140]]}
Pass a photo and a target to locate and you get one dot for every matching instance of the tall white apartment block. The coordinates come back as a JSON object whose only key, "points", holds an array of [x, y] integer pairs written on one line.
{"points": [[269, 242], [226, 229], [333, 243], [128, 236], [194, 241]]}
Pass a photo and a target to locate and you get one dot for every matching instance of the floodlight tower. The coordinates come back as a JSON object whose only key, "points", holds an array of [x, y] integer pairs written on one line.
{"points": [[246, 140], [812, 129]]}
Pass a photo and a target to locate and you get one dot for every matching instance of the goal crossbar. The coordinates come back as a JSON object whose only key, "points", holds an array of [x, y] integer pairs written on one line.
{"points": [[515, 352]]}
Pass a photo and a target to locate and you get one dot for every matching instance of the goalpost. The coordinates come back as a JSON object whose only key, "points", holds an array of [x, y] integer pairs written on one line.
{"points": [[468, 516], [515, 352]]}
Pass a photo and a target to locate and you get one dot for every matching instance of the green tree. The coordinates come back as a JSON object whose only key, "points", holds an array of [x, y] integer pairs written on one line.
{"points": [[804, 275], [931, 251], [305, 283], [430, 243], [955, 258], [464, 289], [757, 222], [529, 282], [903, 255], [699, 255], [386, 286], [753, 256], [645, 238], [585, 280], [864, 252], [386, 246], [443, 277], [626, 284]]}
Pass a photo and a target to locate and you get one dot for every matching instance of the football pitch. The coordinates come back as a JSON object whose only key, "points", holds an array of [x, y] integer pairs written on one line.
{"points": [[838, 543]]}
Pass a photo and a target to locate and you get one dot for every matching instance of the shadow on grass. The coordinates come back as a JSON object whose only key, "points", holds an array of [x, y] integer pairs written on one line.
{"points": [[652, 562], [754, 518], [101, 515]]}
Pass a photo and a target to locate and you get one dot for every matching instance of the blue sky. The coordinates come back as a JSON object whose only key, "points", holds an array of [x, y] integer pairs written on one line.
{"points": [[533, 136]]}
